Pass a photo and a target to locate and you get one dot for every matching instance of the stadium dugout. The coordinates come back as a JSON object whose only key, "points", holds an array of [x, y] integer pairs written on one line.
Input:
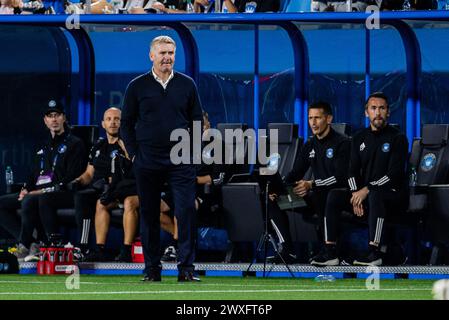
{"points": [[254, 69]]}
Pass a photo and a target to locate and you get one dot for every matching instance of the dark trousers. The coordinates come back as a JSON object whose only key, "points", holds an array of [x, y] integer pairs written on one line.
{"points": [[181, 180], [278, 222], [9, 219], [22, 226], [316, 200], [44, 207], [85, 204], [376, 206]]}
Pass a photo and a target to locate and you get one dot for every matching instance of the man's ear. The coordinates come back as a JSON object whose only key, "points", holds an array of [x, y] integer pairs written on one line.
{"points": [[330, 118]]}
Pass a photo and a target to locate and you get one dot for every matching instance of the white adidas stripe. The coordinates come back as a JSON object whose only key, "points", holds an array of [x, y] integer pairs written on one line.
{"points": [[379, 225], [385, 179], [276, 229]]}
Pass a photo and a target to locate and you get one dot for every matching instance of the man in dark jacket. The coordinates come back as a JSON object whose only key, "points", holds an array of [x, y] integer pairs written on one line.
{"points": [[377, 182], [156, 104], [327, 155], [60, 160]]}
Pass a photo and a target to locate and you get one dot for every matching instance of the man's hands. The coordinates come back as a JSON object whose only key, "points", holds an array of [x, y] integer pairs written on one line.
{"points": [[302, 187], [357, 201], [24, 192]]}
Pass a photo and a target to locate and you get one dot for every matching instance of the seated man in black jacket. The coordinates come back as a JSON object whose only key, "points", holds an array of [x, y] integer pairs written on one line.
{"points": [[377, 181], [327, 154], [60, 160]]}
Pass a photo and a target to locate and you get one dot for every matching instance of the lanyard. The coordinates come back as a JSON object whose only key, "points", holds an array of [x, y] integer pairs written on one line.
{"points": [[61, 149]]}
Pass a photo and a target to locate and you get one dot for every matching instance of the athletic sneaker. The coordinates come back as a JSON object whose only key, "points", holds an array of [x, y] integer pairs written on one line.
{"points": [[20, 251], [170, 254], [34, 253], [373, 258], [326, 257]]}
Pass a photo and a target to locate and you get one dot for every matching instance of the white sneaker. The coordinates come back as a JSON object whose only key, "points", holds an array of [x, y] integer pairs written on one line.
{"points": [[169, 254], [33, 254]]}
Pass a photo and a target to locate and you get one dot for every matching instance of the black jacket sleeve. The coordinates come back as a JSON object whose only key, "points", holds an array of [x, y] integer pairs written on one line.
{"points": [[301, 166], [74, 162], [355, 179], [130, 112], [342, 163], [396, 172]]}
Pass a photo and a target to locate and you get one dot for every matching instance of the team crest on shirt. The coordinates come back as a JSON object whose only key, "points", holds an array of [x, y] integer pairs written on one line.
{"points": [[362, 146], [386, 147], [97, 153], [62, 148], [40, 152], [312, 154], [428, 162], [330, 153], [114, 153]]}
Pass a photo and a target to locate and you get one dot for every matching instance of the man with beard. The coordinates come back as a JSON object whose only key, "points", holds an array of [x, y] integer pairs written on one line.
{"points": [[156, 104], [377, 182], [60, 159]]}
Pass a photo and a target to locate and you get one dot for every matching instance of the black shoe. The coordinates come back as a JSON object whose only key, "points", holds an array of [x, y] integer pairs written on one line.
{"points": [[125, 255], [97, 255], [152, 277], [326, 257], [187, 276], [373, 258], [289, 258]]}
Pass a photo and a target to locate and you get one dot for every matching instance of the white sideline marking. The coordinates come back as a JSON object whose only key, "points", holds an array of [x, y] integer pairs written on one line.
{"points": [[205, 291], [203, 284]]}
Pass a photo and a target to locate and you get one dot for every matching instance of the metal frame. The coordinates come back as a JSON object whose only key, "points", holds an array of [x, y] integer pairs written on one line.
{"points": [[283, 20]]}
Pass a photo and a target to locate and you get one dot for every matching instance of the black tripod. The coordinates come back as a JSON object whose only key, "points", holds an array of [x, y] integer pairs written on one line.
{"points": [[267, 238]]}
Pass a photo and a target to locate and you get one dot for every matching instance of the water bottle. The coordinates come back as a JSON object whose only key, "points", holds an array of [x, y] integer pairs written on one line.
{"points": [[189, 8], [324, 278], [446, 6], [224, 8], [406, 6], [349, 5], [413, 177], [9, 177]]}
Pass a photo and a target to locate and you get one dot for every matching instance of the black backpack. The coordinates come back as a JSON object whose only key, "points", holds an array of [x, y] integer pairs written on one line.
{"points": [[8, 263]]}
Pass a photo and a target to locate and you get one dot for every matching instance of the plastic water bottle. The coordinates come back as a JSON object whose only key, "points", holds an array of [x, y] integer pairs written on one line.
{"points": [[324, 278], [224, 8], [9, 179], [406, 6], [189, 8], [413, 177]]}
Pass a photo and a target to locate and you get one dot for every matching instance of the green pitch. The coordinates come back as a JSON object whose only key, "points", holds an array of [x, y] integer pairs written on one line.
{"points": [[33, 287]]}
